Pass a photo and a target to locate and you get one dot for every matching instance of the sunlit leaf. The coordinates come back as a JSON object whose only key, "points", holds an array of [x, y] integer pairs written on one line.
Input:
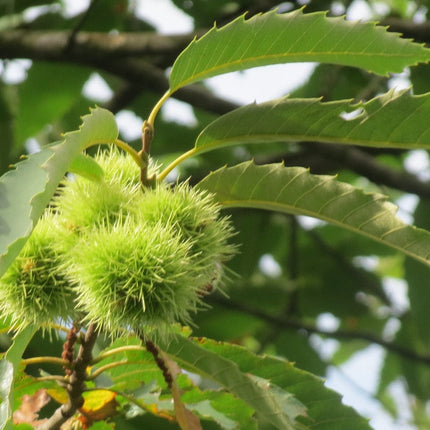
{"points": [[280, 390], [282, 413], [296, 191], [25, 191], [273, 38]]}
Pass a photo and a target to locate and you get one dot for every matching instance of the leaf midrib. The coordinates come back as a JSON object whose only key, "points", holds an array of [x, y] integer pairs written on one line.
{"points": [[281, 207], [310, 55]]}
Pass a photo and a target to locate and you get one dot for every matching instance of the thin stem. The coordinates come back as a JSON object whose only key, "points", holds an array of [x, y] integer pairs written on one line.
{"points": [[175, 163], [117, 351], [41, 360], [124, 146], [336, 334], [102, 369], [127, 148], [58, 327], [157, 107], [58, 378], [147, 135]]}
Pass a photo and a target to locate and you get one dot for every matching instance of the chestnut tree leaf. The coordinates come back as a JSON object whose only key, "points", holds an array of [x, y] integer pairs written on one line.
{"points": [[393, 120], [26, 191], [281, 414], [273, 38], [8, 369], [294, 190], [287, 397]]}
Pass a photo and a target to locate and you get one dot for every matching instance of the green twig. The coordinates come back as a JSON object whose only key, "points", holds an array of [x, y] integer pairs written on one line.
{"points": [[157, 107], [117, 351], [109, 366], [41, 360], [175, 163], [124, 146]]}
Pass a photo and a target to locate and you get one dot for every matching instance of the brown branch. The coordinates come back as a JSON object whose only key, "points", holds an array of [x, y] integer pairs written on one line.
{"points": [[76, 384], [104, 51], [336, 334], [123, 97], [366, 279], [69, 347], [153, 349], [365, 164], [116, 54], [409, 29], [77, 28], [55, 45]]}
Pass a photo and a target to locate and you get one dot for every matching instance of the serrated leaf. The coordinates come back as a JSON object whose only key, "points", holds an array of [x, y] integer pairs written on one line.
{"points": [[25, 191], [138, 369], [296, 191], [273, 38], [8, 368], [280, 412], [416, 277], [393, 120], [226, 410], [137, 366], [289, 387]]}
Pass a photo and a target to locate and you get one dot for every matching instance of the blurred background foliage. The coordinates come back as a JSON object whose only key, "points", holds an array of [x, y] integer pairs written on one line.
{"points": [[310, 292]]}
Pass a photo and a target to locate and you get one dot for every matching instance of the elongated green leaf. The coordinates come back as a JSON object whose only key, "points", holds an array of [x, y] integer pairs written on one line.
{"points": [[393, 120], [274, 38], [283, 387], [25, 191], [8, 369], [140, 376], [296, 191], [280, 410], [325, 410]]}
